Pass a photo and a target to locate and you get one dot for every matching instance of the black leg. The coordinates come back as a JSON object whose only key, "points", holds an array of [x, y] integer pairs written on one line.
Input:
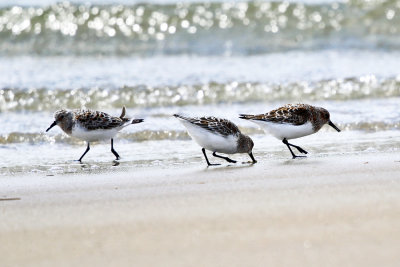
{"points": [[297, 147], [205, 155], [86, 151], [113, 151], [225, 158], [252, 157]]}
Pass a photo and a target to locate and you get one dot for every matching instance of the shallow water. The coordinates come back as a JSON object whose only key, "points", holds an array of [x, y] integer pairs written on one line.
{"points": [[211, 58]]}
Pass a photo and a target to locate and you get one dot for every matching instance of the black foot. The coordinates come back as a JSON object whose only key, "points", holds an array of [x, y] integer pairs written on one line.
{"points": [[252, 157], [285, 141], [205, 155], [301, 150], [213, 164], [225, 158], [299, 157]]}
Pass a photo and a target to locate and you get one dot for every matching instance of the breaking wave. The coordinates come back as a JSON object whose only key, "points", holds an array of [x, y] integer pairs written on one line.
{"points": [[44, 99]]}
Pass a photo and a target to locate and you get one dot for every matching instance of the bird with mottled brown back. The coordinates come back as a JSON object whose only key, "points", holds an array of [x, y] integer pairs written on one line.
{"points": [[90, 126], [292, 121]]}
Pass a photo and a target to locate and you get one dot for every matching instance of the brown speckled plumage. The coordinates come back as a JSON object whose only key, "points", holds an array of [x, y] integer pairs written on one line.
{"points": [[95, 120], [221, 126], [90, 120], [297, 114]]}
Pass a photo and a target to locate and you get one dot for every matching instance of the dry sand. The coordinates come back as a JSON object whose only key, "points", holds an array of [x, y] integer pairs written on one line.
{"points": [[328, 211]]}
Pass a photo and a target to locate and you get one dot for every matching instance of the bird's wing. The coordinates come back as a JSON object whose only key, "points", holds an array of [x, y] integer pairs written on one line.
{"points": [[95, 120], [216, 125], [290, 114]]}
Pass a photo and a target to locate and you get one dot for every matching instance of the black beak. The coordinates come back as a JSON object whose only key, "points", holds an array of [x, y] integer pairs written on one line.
{"points": [[51, 126], [333, 126]]}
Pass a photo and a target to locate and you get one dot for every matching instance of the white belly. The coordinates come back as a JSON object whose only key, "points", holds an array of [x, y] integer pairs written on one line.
{"points": [[93, 135], [284, 130], [211, 141]]}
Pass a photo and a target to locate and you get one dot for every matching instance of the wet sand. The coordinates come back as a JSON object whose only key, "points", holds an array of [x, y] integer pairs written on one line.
{"points": [[324, 211]]}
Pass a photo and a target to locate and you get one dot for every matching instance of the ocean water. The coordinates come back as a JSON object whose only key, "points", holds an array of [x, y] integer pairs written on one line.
{"points": [[218, 58]]}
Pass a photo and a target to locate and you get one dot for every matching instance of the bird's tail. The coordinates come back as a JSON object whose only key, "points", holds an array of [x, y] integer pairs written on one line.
{"points": [[246, 117], [134, 121], [181, 117], [123, 112]]}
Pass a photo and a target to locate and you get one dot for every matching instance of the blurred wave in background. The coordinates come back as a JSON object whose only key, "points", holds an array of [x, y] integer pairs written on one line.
{"points": [[212, 28]]}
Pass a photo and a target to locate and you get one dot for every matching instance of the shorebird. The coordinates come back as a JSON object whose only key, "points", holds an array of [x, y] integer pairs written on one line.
{"points": [[217, 135], [91, 125], [292, 121]]}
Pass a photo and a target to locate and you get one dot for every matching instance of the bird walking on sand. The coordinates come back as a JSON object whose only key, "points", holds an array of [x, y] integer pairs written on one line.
{"points": [[91, 126], [218, 135], [292, 121]]}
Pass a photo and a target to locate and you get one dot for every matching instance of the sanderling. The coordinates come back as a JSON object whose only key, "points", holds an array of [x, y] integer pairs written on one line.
{"points": [[292, 121], [218, 135], [91, 125]]}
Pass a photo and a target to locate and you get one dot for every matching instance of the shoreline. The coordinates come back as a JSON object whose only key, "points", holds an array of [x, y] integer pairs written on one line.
{"points": [[330, 211]]}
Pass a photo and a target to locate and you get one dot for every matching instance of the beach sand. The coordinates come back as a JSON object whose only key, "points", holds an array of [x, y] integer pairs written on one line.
{"points": [[339, 210]]}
